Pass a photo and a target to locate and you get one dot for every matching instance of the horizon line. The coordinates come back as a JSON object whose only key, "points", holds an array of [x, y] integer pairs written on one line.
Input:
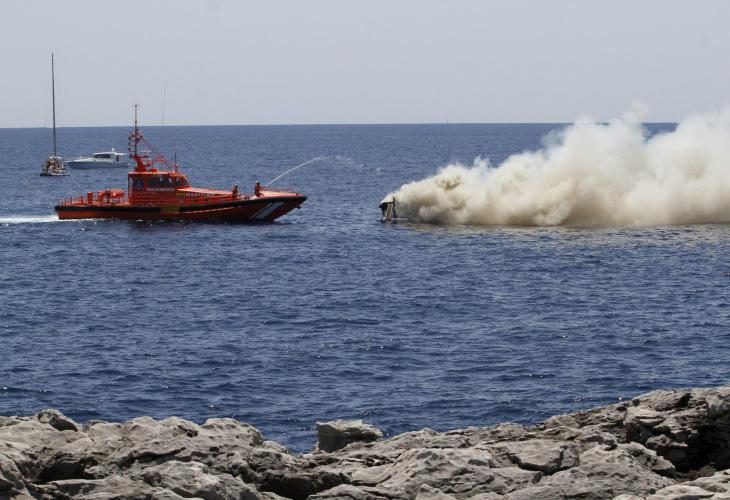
{"points": [[327, 124]]}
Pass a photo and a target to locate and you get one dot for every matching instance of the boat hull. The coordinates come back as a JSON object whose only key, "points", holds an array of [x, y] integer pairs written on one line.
{"points": [[84, 165], [246, 210]]}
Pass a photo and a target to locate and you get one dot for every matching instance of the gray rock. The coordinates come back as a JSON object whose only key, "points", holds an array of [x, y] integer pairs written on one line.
{"points": [[459, 472], [165, 495], [718, 403], [714, 486], [542, 455], [640, 422], [301, 482], [426, 492], [607, 473], [339, 433], [650, 460], [661, 445], [112, 487], [11, 479], [350, 492], [193, 479], [57, 420], [538, 492], [681, 492]]}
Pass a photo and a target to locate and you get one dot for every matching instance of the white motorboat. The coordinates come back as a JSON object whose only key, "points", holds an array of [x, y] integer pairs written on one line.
{"points": [[105, 159], [54, 165]]}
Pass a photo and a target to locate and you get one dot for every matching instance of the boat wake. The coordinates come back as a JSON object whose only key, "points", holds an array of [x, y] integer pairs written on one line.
{"points": [[28, 219], [589, 174]]}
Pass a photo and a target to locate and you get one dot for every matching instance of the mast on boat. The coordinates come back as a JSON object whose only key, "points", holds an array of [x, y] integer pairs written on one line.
{"points": [[140, 165], [53, 98], [145, 159], [54, 165], [136, 130]]}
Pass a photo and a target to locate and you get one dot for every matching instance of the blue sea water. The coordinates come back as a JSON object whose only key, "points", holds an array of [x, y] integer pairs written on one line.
{"points": [[328, 313]]}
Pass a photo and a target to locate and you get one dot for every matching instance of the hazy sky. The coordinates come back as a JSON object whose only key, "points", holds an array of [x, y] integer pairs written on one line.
{"points": [[374, 61]]}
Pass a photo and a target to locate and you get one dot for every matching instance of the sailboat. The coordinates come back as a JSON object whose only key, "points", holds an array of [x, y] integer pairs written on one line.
{"points": [[54, 165]]}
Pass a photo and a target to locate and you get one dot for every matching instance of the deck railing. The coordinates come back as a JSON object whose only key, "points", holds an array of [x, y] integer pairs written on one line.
{"points": [[83, 200]]}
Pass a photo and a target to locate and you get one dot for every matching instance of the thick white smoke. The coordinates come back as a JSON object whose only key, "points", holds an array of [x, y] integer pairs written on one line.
{"points": [[589, 174]]}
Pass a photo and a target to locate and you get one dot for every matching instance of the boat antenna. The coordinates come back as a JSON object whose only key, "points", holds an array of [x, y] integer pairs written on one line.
{"points": [[134, 139], [164, 91], [136, 129], [53, 98]]}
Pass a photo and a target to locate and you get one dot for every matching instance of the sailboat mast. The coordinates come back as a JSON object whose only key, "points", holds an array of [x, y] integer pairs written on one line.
{"points": [[53, 97]]}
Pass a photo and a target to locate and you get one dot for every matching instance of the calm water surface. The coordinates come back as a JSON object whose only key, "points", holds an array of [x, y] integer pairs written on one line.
{"points": [[328, 313]]}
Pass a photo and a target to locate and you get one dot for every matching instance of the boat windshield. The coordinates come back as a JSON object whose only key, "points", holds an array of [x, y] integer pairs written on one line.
{"points": [[102, 155]]}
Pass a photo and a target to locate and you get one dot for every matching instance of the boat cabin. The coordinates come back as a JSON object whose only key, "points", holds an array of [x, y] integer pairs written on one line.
{"points": [[155, 186], [110, 156], [168, 187]]}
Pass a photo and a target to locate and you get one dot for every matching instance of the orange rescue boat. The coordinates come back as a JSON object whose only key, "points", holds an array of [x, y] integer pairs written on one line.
{"points": [[164, 194]]}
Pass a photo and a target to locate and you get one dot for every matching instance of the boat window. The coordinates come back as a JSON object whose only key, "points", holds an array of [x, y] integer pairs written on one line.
{"points": [[152, 182], [169, 180], [138, 184], [102, 155]]}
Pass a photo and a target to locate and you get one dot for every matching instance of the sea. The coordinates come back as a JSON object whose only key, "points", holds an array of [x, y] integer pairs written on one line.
{"points": [[328, 313]]}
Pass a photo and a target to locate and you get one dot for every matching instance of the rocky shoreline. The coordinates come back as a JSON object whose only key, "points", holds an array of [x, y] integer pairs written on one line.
{"points": [[662, 445]]}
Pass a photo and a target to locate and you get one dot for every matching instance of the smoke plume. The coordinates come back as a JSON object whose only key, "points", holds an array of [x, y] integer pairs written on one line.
{"points": [[589, 174]]}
